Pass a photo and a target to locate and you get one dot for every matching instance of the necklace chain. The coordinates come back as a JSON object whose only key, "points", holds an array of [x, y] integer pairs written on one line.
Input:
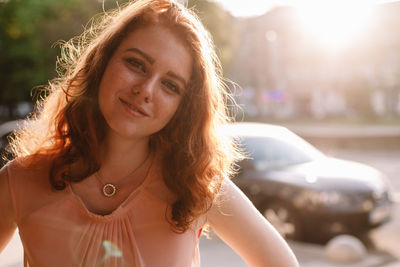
{"points": [[110, 189]]}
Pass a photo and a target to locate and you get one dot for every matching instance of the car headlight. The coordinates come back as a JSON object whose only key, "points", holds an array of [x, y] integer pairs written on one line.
{"points": [[332, 200]]}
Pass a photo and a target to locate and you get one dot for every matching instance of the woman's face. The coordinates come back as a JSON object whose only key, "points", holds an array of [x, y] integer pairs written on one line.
{"points": [[144, 81]]}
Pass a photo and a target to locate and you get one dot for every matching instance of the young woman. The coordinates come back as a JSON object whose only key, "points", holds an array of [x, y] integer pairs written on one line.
{"points": [[123, 164]]}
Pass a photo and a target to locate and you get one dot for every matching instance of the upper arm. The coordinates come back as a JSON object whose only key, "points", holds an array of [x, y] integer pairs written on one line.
{"points": [[235, 220], [7, 223]]}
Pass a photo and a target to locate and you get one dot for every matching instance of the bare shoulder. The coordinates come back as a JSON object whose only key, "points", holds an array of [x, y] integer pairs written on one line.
{"points": [[236, 221], [228, 198], [229, 208]]}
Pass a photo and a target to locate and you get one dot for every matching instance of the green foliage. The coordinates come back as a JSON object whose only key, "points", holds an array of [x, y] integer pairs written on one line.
{"points": [[220, 25], [28, 30]]}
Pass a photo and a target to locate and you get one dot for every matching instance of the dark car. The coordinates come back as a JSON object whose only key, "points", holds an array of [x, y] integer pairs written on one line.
{"points": [[302, 192]]}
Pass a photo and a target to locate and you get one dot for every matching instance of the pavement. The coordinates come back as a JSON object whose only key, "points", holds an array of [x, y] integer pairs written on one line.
{"points": [[215, 253], [311, 255], [335, 130]]}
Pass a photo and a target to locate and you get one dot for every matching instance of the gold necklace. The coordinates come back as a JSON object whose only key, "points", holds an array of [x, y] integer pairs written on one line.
{"points": [[110, 189]]}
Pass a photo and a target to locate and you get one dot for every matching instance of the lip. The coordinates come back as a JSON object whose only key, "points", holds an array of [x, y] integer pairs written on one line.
{"points": [[134, 108]]}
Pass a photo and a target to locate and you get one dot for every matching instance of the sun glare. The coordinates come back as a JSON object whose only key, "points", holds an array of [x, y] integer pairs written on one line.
{"points": [[248, 8], [334, 23]]}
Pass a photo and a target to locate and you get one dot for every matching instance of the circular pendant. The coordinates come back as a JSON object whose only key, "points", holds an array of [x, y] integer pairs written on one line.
{"points": [[109, 190]]}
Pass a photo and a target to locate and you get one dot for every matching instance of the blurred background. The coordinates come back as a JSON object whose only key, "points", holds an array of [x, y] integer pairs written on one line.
{"points": [[327, 70], [293, 60]]}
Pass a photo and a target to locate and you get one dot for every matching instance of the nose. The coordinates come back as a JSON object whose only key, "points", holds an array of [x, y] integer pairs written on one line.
{"points": [[146, 98], [144, 89]]}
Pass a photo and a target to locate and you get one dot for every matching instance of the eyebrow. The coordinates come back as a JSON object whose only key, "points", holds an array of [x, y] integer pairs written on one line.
{"points": [[143, 54]]}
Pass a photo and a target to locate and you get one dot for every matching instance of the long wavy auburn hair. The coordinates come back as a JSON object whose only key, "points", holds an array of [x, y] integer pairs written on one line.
{"points": [[68, 126]]}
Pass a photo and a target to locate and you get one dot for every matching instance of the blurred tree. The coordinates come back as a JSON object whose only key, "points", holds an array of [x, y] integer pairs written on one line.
{"points": [[28, 30], [220, 24]]}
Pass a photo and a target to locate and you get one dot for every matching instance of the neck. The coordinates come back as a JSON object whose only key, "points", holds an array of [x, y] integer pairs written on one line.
{"points": [[121, 155]]}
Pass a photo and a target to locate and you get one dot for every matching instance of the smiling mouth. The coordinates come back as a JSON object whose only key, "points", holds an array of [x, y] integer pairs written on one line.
{"points": [[133, 108]]}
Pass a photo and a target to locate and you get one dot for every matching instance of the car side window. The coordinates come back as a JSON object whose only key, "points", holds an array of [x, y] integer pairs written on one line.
{"points": [[268, 153]]}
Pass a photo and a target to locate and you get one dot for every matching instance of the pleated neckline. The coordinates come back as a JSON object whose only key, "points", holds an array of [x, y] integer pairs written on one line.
{"points": [[119, 210]]}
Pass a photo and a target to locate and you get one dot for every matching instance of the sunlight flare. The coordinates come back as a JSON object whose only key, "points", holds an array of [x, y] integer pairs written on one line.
{"points": [[334, 23]]}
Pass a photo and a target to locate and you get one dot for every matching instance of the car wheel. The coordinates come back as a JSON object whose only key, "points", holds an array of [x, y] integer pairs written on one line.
{"points": [[284, 219]]}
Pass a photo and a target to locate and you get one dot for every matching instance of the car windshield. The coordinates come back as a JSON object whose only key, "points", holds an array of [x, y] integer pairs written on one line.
{"points": [[270, 152]]}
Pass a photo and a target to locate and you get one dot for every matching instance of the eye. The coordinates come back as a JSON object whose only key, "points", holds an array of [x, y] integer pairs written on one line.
{"points": [[137, 64], [172, 86]]}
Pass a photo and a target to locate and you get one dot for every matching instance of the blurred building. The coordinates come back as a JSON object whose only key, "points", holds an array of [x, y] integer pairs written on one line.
{"points": [[284, 74]]}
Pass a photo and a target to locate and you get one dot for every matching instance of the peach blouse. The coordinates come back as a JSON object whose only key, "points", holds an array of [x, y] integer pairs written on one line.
{"points": [[57, 229]]}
